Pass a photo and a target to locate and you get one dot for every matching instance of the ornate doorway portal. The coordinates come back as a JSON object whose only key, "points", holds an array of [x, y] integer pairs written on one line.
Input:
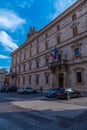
{"points": [[61, 80]]}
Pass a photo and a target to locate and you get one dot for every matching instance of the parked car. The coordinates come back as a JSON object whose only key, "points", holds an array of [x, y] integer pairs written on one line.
{"points": [[51, 92], [68, 93], [20, 90], [2, 89], [11, 89], [26, 90]]}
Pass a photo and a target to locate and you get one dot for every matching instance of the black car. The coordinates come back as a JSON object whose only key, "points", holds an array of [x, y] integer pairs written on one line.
{"points": [[11, 89], [2, 89], [68, 93]]}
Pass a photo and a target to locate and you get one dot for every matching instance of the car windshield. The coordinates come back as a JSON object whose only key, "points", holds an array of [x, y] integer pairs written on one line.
{"points": [[61, 90], [52, 89], [28, 88], [7, 87], [20, 88]]}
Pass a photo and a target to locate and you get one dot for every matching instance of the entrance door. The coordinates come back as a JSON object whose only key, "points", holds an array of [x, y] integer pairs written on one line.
{"points": [[61, 80]]}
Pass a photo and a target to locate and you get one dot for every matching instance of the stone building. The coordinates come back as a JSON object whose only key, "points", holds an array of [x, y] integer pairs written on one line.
{"points": [[32, 64], [3, 73]]}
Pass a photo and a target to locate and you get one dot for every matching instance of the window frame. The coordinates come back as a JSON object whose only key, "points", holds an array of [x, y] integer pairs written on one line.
{"points": [[75, 31], [74, 17], [77, 52], [79, 77], [58, 39], [46, 79]]}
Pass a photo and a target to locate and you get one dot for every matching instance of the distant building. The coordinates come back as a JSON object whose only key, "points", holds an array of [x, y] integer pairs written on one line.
{"points": [[3, 73], [7, 80], [33, 63]]}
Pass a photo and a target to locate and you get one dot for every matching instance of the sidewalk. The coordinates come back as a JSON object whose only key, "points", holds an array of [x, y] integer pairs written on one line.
{"points": [[83, 92]]}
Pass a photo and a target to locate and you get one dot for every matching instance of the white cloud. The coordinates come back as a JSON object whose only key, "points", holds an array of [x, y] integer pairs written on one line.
{"points": [[3, 57], [25, 3], [7, 41], [60, 6], [10, 20]]}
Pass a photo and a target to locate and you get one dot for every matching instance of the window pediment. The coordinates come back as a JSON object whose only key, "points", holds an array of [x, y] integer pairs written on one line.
{"points": [[74, 24], [76, 45], [79, 69]]}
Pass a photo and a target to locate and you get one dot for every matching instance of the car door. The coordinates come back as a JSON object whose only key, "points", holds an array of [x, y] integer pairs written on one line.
{"points": [[29, 90], [73, 93]]}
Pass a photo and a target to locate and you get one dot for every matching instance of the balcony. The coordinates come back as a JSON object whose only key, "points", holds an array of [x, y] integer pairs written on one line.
{"points": [[13, 74], [61, 64]]}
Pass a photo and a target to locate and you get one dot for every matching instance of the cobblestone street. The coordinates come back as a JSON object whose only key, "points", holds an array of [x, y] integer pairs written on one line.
{"points": [[40, 113]]}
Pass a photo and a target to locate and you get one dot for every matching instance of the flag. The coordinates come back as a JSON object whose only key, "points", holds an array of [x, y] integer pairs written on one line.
{"points": [[55, 53], [51, 54], [10, 71]]}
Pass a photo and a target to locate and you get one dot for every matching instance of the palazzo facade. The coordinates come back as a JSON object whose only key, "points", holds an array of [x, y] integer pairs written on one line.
{"points": [[32, 64]]}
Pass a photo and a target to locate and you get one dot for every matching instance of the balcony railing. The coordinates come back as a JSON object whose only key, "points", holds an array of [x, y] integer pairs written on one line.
{"points": [[58, 64], [13, 74]]}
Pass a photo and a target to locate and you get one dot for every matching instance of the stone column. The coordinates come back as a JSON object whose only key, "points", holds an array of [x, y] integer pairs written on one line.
{"points": [[65, 79], [10, 81], [57, 78]]}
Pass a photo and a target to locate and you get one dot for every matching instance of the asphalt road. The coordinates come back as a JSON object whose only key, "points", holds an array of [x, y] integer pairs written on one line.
{"points": [[36, 112]]}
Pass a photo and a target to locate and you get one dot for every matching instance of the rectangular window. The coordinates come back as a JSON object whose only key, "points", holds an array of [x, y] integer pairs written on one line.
{"points": [[30, 52], [47, 79], [24, 53], [37, 49], [30, 46], [77, 52], [19, 68], [75, 32], [37, 64], [29, 79], [24, 68], [46, 45], [37, 41], [15, 69], [46, 35], [74, 17], [47, 61], [79, 77], [37, 80], [58, 39], [20, 58], [30, 66], [59, 57], [18, 80], [16, 60], [23, 80], [58, 27]]}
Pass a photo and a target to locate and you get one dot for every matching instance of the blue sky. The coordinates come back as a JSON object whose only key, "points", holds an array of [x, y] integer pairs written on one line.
{"points": [[16, 17]]}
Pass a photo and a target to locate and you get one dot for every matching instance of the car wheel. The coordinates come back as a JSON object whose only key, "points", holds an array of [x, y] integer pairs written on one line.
{"points": [[54, 94], [34, 91], [68, 96], [79, 95]]}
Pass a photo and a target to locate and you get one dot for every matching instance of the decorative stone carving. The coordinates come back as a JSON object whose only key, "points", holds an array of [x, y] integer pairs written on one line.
{"points": [[32, 32]]}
